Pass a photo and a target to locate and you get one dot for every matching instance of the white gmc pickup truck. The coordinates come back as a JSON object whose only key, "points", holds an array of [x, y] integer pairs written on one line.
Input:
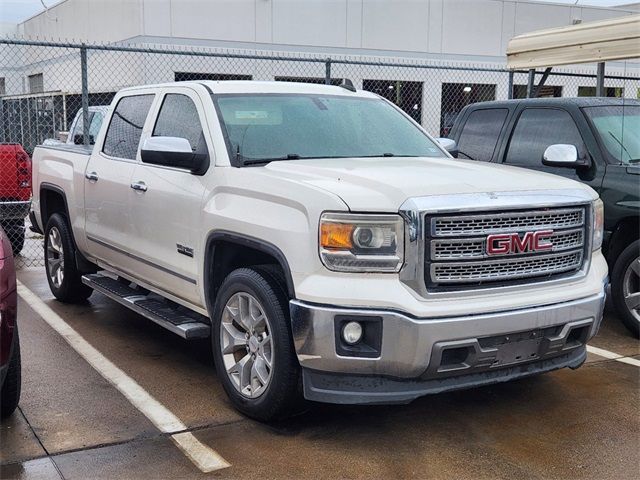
{"points": [[327, 245]]}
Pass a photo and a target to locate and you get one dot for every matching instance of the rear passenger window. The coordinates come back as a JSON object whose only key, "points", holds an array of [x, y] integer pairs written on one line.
{"points": [[125, 129], [178, 117], [480, 133], [537, 128]]}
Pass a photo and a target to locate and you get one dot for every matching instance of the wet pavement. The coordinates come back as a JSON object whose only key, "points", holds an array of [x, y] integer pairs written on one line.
{"points": [[72, 423]]}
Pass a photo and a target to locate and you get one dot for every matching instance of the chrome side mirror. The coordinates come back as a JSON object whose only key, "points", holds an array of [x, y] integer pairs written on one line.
{"points": [[174, 152], [449, 145], [561, 155]]}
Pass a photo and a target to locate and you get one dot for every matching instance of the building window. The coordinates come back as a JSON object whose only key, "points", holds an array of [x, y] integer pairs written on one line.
{"points": [[36, 83], [184, 76], [456, 96], [612, 92], [406, 95], [547, 91], [319, 80], [3, 89]]}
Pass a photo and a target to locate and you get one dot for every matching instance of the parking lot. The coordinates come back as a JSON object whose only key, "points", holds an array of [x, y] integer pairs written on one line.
{"points": [[73, 423]]}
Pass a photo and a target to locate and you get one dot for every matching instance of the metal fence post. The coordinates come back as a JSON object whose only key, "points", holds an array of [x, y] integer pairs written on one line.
{"points": [[510, 94], [85, 94], [600, 80], [327, 71]]}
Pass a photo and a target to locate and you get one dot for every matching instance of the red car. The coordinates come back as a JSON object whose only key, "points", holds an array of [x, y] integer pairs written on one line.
{"points": [[15, 192], [9, 345]]}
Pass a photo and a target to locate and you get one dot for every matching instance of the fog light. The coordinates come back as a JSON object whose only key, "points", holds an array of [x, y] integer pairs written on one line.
{"points": [[352, 332]]}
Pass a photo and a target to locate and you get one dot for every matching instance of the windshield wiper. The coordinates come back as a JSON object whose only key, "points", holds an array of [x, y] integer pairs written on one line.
{"points": [[257, 161]]}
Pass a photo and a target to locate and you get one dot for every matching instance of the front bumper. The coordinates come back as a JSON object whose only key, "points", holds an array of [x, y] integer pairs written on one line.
{"points": [[14, 210], [422, 355]]}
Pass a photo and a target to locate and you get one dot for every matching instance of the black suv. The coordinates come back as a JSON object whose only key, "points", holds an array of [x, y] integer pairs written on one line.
{"points": [[595, 141]]}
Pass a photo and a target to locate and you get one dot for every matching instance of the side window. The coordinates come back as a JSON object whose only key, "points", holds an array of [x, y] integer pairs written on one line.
{"points": [[178, 117], [125, 129], [537, 128], [480, 133]]}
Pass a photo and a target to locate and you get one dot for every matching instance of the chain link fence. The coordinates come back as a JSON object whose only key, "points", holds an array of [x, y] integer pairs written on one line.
{"points": [[44, 86]]}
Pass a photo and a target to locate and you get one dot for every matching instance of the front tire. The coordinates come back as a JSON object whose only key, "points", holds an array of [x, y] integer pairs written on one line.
{"points": [[10, 392], [625, 287], [64, 279], [252, 344]]}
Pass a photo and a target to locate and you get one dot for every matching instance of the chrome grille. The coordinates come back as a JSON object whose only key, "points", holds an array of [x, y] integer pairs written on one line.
{"points": [[456, 247]]}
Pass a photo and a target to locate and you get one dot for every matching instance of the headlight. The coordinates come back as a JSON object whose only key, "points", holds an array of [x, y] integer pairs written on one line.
{"points": [[598, 224], [361, 243]]}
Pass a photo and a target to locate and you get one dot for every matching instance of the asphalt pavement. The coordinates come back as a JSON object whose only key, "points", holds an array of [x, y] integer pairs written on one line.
{"points": [[78, 417]]}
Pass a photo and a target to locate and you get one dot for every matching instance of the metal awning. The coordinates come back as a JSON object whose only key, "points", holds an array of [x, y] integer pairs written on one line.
{"points": [[591, 42]]}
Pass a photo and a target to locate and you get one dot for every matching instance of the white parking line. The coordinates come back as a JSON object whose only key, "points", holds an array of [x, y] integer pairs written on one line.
{"points": [[613, 356], [205, 458]]}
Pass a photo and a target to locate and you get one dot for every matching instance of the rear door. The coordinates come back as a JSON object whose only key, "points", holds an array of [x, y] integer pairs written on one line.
{"points": [[166, 213], [535, 129], [478, 137], [108, 179]]}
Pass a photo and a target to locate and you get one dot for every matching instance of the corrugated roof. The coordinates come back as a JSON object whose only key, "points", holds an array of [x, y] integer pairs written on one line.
{"points": [[591, 42]]}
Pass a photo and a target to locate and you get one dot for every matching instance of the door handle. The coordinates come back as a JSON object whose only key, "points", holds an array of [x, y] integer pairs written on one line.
{"points": [[139, 186], [91, 176]]}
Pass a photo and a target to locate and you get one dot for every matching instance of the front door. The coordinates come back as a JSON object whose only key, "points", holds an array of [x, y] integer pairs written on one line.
{"points": [[166, 208]]}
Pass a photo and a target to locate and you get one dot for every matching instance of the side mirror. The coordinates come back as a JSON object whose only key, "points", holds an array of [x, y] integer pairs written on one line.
{"points": [[449, 145], [174, 152], [563, 155], [63, 136]]}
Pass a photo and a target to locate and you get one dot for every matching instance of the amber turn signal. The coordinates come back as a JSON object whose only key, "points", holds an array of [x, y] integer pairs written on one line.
{"points": [[336, 235]]}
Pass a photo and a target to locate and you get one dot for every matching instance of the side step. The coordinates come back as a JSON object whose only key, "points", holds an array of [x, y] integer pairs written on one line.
{"points": [[176, 318]]}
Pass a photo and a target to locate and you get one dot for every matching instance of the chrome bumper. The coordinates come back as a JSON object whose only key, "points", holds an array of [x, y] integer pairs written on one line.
{"points": [[414, 348], [14, 210]]}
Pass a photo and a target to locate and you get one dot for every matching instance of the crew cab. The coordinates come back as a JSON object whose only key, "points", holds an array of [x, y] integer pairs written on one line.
{"points": [[595, 141], [15, 192], [323, 241]]}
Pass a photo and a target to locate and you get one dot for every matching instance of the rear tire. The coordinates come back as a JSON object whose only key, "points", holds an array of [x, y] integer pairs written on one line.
{"points": [[625, 287], [270, 390], [64, 279], [10, 393]]}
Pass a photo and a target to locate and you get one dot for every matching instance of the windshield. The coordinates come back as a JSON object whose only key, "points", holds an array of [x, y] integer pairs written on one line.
{"points": [[267, 127], [619, 129]]}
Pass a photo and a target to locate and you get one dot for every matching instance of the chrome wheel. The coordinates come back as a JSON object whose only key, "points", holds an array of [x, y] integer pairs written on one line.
{"points": [[245, 340], [55, 257], [631, 288]]}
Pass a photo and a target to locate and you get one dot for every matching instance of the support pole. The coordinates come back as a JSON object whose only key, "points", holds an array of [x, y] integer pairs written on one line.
{"points": [[600, 80], [542, 81], [85, 94], [530, 83]]}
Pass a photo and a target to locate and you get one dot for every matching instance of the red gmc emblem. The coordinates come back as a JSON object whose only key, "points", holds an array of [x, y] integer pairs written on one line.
{"points": [[506, 243]]}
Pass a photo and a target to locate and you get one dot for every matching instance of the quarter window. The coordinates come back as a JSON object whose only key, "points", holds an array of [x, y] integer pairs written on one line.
{"points": [[178, 117], [480, 133], [125, 129], [537, 128]]}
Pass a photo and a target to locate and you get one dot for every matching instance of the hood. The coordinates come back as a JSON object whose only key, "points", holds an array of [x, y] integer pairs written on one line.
{"points": [[383, 184]]}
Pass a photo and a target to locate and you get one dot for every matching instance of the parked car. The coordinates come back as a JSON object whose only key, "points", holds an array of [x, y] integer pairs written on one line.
{"points": [[595, 141], [9, 344], [320, 236], [15, 192], [75, 135]]}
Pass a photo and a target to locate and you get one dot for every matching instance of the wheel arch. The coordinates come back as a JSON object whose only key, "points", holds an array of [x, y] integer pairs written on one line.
{"points": [[625, 233], [225, 251]]}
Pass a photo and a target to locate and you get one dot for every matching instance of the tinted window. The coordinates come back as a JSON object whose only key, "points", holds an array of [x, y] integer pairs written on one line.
{"points": [[537, 128], [126, 126], [178, 117], [480, 133]]}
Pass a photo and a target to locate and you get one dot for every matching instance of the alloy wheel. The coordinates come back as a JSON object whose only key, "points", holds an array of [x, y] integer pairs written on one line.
{"points": [[247, 349], [55, 257], [631, 288]]}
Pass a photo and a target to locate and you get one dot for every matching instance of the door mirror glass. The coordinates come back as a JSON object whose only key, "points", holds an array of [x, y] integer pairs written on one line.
{"points": [[449, 145], [562, 155], [172, 152]]}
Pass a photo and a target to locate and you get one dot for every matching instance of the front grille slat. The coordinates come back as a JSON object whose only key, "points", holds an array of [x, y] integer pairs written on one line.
{"points": [[456, 249]]}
